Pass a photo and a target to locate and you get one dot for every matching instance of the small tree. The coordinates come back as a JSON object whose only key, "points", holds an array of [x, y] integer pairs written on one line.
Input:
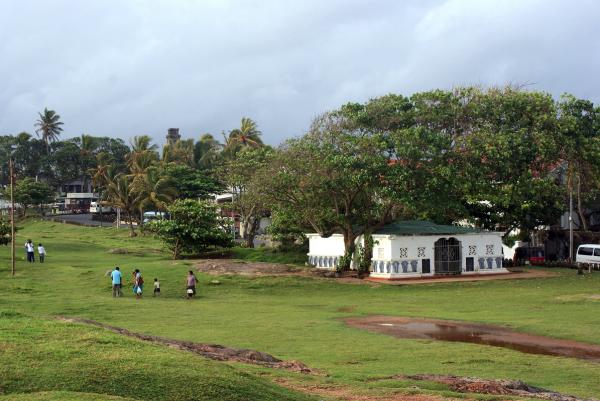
{"points": [[193, 227], [29, 192]]}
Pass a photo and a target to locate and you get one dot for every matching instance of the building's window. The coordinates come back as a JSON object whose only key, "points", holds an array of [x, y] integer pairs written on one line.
{"points": [[470, 264], [489, 249], [404, 252], [472, 250], [421, 252], [380, 253]]}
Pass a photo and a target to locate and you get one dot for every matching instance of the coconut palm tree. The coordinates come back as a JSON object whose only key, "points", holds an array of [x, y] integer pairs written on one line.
{"points": [[207, 151], [141, 143], [154, 190], [181, 152], [49, 126], [120, 194], [247, 135]]}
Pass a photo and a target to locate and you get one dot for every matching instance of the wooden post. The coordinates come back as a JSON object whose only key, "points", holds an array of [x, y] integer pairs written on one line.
{"points": [[12, 215]]}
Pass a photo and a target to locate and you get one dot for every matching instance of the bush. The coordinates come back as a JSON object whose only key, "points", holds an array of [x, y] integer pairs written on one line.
{"points": [[194, 227]]}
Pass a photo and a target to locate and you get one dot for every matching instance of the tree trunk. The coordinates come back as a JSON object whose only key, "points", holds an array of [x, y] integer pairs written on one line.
{"points": [[367, 254], [582, 219], [250, 229], [176, 250], [349, 248], [131, 230], [142, 222]]}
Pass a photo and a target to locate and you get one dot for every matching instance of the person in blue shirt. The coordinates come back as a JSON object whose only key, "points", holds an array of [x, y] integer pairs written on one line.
{"points": [[116, 282]]}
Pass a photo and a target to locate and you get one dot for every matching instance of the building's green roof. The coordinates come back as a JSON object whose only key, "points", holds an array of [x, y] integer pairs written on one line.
{"points": [[420, 227]]}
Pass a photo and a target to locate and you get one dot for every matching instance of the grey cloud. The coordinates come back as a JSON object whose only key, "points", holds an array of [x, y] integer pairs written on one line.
{"points": [[123, 68]]}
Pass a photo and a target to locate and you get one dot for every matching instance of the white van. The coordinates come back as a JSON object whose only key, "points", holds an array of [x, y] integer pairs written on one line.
{"points": [[588, 253], [96, 207]]}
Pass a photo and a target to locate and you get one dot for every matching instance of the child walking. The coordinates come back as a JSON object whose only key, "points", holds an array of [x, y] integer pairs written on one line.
{"points": [[41, 253], [156, 287]]}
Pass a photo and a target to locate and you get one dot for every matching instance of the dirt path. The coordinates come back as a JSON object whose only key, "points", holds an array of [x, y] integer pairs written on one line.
{"points": [[352, 394], [445, 330], [211, 351], [255, 269], [246, 268], [494, 387]]}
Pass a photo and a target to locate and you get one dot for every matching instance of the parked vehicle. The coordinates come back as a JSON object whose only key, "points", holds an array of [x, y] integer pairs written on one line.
{"points": [[588, 254], [96, 207], [149, 216], [529, 255]]}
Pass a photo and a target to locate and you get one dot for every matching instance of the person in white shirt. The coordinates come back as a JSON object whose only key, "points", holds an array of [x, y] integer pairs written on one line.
{"points": [[156, 287], [29, 249], [41, 253]]}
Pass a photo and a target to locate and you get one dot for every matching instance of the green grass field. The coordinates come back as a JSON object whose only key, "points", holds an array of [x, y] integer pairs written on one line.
{"points": [[289, 317]]}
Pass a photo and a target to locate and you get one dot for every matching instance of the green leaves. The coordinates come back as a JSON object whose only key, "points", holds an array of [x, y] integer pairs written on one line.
{"points": [[193, 226]]}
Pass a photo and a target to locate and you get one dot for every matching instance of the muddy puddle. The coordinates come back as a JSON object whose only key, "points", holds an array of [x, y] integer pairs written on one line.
{"points": [[444, 330]]}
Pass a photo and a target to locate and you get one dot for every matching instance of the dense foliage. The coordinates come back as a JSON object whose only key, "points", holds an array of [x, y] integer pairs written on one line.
{"points": [[193, 226]]}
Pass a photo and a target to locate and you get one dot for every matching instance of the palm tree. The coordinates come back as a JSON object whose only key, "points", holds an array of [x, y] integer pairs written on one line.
{"points": [[206, 151], [181, 152], [154, 190], [120, 194], [142, 143], [247, 135], [49, 125]]}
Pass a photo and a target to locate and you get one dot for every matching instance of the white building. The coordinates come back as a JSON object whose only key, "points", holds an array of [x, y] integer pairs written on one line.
{"points": [[408, 249]]}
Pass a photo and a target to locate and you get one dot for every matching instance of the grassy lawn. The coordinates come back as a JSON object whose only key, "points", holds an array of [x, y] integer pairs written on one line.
{"points": [[289, 317]]}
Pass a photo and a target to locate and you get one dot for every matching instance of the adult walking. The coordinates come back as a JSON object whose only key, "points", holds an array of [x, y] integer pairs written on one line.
{"points": [[116, 282], [191, 285], [138, 283], [29, 250]]}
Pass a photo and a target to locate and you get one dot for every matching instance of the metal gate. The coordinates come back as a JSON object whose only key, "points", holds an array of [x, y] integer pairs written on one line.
{"points": [[447, 256]]}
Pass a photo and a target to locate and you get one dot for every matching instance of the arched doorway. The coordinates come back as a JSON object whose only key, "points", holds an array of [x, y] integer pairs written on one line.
{"points": [[447, 256]]}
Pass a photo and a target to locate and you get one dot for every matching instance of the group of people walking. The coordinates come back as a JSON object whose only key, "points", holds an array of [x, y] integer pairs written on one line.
{"points": [[137, 279], [29, 249]]}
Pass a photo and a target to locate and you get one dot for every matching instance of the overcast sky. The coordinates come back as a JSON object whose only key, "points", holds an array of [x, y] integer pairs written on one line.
{"points": [[128, 67]]}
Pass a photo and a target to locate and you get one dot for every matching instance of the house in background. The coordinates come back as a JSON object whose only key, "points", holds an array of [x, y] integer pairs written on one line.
{"points": [[76, 197], [408, 249]]}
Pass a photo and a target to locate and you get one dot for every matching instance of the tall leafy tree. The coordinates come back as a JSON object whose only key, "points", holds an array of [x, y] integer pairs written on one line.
{"points": [[49, 126], [192, 183], [579, 152], [249, 199]]}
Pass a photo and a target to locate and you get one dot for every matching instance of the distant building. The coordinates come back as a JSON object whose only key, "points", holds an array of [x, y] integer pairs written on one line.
{"points": [[173, 135], [408, 249]]}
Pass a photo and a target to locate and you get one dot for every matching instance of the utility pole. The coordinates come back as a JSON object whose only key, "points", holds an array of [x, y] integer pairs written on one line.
{"points": [[571, 222], [12, 215]]}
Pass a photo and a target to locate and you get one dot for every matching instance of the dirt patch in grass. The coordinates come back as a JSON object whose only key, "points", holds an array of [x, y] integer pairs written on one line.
{"points": [[493, 387], [446, 330], [244, 268], [352, 394], [211, 351]]}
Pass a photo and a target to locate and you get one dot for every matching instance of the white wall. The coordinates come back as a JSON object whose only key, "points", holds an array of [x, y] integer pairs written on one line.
{"points": [[390, 252]]}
